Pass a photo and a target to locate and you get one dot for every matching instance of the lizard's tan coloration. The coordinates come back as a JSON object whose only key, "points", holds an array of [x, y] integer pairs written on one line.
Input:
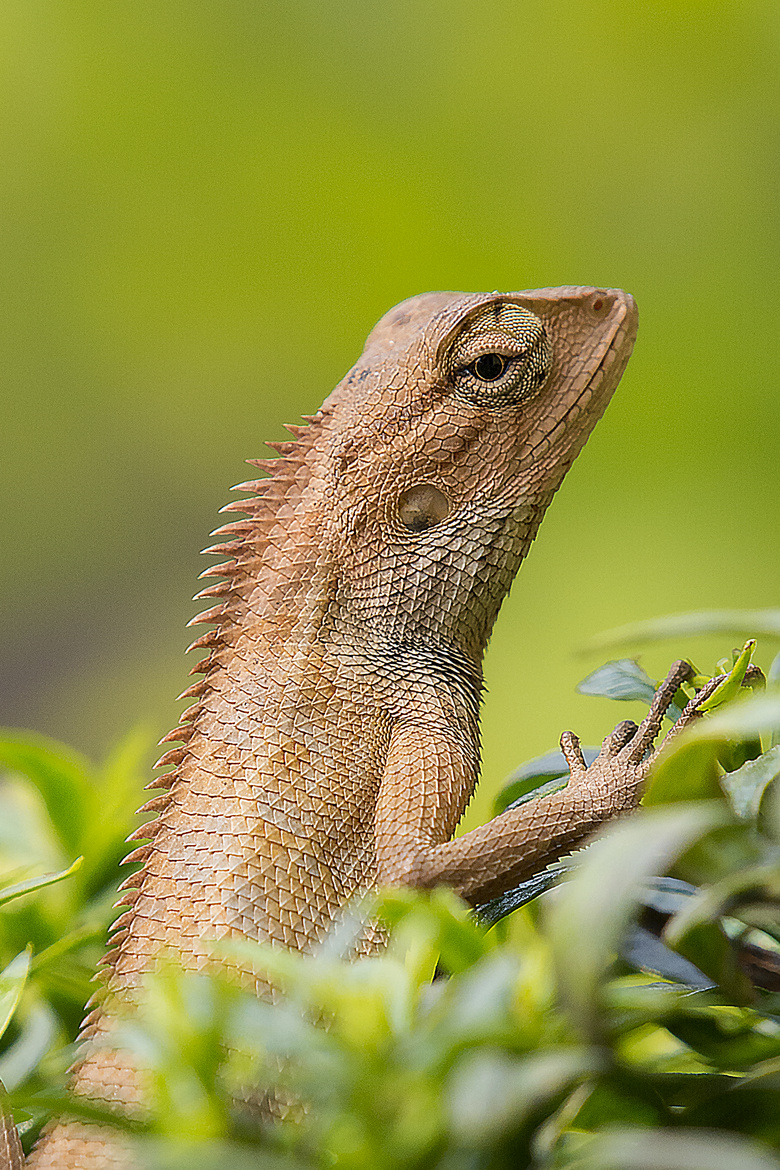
{"points": [[333, 741]]}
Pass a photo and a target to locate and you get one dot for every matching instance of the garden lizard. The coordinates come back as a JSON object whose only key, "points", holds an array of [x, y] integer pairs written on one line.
{"points": [[332, 744]]}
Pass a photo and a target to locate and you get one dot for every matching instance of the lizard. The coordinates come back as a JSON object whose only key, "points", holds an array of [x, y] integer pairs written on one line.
{"points": [[333, 740]]}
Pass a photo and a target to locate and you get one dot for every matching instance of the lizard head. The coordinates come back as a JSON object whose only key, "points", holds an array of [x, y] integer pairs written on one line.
{"points": [[449, 438], [446, 442], [493, 394]]}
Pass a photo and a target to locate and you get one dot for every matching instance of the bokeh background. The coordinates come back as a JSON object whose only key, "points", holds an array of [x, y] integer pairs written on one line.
{"points": [[206, 205]]}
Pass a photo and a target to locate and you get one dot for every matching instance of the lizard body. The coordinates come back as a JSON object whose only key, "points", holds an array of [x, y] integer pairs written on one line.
{"points": [[333, 741]]}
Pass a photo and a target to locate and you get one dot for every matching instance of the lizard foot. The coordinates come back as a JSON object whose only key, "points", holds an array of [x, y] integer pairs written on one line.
{"points": [[618, 773]]}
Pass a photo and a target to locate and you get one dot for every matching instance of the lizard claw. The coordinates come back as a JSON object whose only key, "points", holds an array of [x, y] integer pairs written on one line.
{"points": [[572, 753], [691, 712], [637, 747], [619, 738]]}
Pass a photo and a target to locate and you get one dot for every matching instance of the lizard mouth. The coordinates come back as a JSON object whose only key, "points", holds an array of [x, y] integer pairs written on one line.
{"points": [[605, 365]]}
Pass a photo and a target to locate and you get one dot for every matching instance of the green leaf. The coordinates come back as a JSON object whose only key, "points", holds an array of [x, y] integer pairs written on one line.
{"points": [[688, 767], [177, 1033], [490, 1093], [721, 897], [622, 679], [709, 621], [117, 794], [476, 1006], [39, 1029], [90, 932], [619, 1100], [62, 776], [772, 681], [729, 1038], [436, 924], [746, 786], [769, 818], [688, 770], [19, 889], [732, 847], [731, 684], [708, 948], [184, 1153], [751, 1105], [668, 1149], [12, 981], [589, 914], [746, 719]]}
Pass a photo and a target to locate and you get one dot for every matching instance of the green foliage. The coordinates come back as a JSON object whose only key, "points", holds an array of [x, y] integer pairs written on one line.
{"points": [[624, 679], [53, 806], [680, 625], [625, 1020]]}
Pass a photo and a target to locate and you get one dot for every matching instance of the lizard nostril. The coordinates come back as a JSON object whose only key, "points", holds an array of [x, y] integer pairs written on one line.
{"points": [[601, 302], [422, 506]]}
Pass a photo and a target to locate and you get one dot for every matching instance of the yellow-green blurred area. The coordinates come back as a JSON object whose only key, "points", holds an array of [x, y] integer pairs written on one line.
{"points": [[206, 206]]}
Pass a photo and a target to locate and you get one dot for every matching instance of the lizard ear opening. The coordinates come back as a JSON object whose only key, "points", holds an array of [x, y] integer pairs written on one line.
{"points": [[422, 506]]}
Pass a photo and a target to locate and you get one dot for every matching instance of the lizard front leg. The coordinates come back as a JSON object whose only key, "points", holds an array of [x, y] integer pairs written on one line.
{"points": [[428, 770]]}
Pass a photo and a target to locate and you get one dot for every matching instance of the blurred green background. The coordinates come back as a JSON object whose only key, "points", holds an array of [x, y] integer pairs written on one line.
{"points": [[206, 206]]}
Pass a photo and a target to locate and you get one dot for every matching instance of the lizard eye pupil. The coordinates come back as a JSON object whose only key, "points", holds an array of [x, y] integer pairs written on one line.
{"points": [[489, 366]]}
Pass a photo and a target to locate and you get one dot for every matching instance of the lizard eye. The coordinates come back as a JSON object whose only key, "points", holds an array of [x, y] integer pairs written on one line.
{"points": [[489, 366], [500, 357], [495, 379]]}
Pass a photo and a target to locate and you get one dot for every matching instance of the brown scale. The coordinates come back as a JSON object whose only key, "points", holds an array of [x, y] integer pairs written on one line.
{"points": [[333, 741]]}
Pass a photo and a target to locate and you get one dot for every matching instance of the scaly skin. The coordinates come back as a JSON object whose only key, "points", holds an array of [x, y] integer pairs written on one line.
{"points": [[333, 743]]}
